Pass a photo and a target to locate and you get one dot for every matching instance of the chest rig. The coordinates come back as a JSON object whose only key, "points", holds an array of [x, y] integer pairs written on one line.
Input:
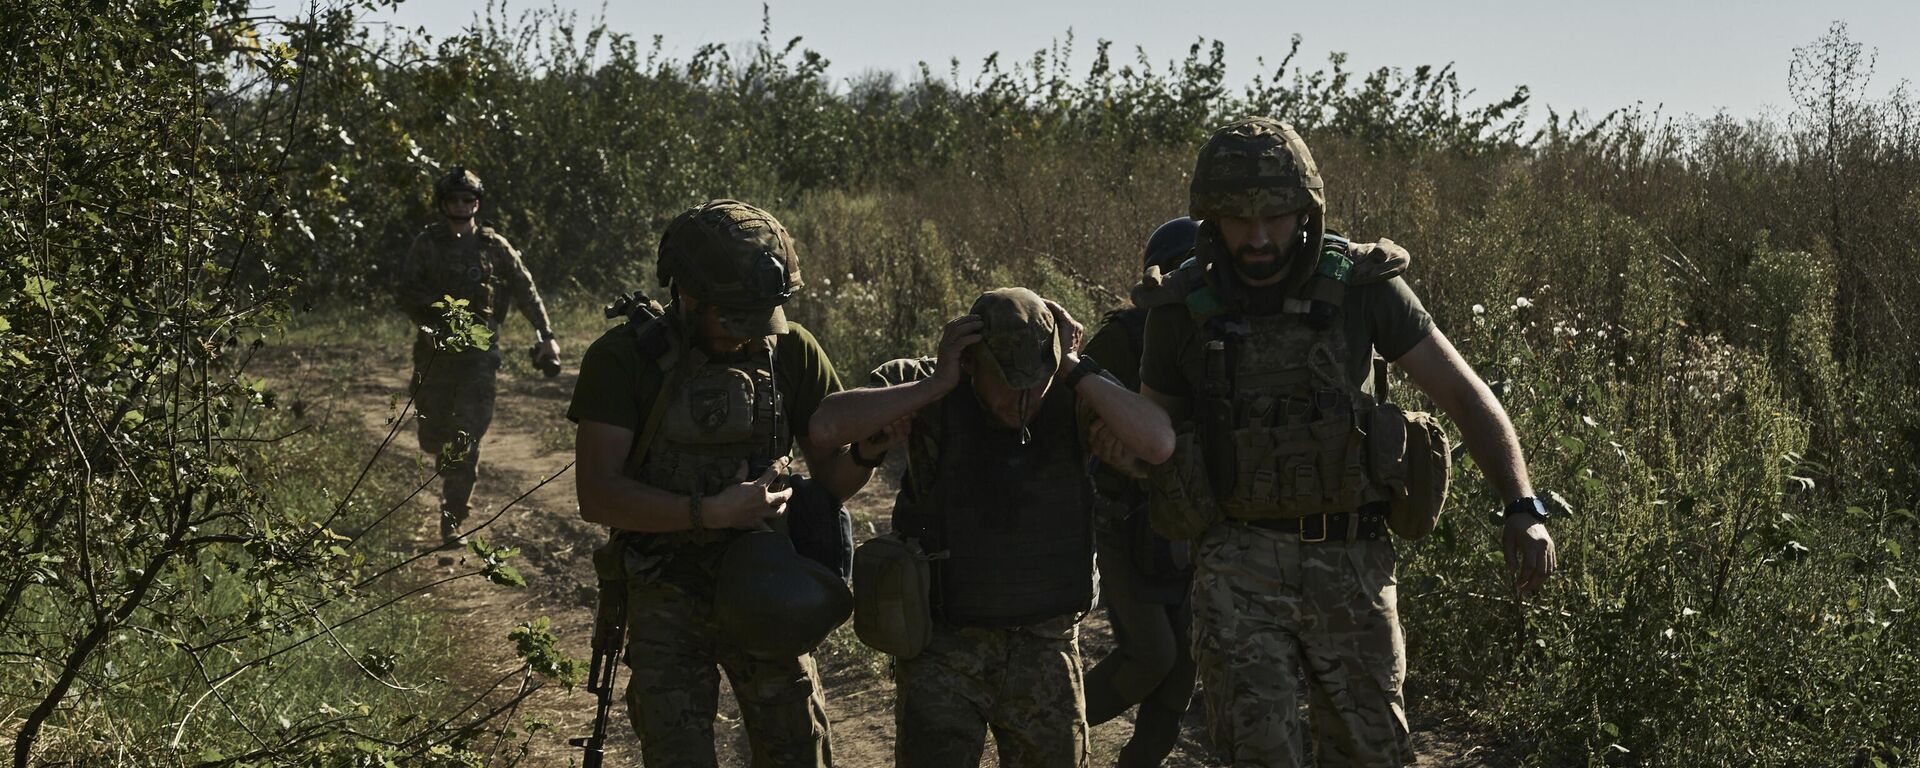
{"points": [[707, 418], [1283, 432], [1290, 430], [1013, 520], [467, 268]]}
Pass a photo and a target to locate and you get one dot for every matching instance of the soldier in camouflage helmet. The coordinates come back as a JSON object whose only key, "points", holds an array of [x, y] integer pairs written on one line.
{"points": [[996, 490], [454, 386], [1267, 344], [685, 421]]}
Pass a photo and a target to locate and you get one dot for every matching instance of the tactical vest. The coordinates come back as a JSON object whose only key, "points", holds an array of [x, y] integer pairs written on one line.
{"points": [[466, 269], [1014, 521], [1298, 428], [1284, 433], [717, 414]]}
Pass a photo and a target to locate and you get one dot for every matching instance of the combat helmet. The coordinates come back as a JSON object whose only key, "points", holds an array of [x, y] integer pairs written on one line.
{"points": [[1254, 167], [737, 257], [1170, 243], [773, 603], [457, 179]]}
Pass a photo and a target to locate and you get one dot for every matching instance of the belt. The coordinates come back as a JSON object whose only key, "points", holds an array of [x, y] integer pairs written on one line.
{"points": [[1313, 529]]}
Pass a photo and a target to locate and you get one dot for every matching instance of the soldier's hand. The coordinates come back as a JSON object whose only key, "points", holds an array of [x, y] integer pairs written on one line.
{"points": [[961, 332], [889, 437], [1530, 553], [1072, 333], [548, 350], [1111, 452], [749, 504]]}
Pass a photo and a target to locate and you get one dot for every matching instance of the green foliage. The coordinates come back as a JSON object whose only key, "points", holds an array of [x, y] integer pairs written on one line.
{"points": [[536, 643], [187, 567]]}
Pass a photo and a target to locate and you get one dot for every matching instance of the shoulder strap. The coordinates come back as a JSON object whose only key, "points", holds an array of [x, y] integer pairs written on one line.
{"points": [[657, 343]]}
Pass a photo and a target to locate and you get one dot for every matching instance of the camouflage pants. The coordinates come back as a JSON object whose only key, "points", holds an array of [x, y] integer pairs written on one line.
{"points": [[1271, 612], [673, 693], [453, 397], [1150, 665], [1023, 683]]}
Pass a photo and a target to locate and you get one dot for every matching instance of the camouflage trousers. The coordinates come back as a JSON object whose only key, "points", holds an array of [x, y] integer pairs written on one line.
{"points": [[453, 397], [1271, 613], [673, 693], [1023, 683]]}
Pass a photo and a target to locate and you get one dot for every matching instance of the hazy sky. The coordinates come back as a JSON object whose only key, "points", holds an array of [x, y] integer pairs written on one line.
{"points": [[1692, 56]]}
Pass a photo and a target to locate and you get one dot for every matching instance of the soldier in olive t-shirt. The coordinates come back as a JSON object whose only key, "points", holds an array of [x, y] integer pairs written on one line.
{"points": [[718, 382]]}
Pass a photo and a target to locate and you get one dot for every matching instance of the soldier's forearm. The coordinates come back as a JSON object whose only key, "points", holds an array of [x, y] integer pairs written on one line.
{"points": [[852, 414], [630, 505], [1492, 442], [1141, 426]]}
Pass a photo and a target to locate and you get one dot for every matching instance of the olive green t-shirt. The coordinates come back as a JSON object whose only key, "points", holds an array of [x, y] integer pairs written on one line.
{"points": [[1112, 348], [618, 387], [1384, 317]]}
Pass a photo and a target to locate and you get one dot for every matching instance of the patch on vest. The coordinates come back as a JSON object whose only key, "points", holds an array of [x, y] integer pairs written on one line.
{"points": [[716, 406]]}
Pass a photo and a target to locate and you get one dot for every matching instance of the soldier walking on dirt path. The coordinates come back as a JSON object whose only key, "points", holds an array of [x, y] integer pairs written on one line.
{"points": [[1296, 467], [996, 491], [1143, 576], [454, 389], [686, 417]]}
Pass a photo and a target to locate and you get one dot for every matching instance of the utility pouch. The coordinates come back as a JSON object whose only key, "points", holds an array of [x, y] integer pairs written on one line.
{"points": [[892, 588], [1418, 479], [1180, 500]]}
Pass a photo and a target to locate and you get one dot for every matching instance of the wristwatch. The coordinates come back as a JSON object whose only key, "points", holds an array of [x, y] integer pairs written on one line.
{"points": [[1531, 506], [1087, 365], [545, 334]]}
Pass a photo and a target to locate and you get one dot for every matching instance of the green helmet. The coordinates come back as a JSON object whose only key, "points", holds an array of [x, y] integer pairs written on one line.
{"points": [[734, 256], [1254, 167], [771, 602], [457, 179]]}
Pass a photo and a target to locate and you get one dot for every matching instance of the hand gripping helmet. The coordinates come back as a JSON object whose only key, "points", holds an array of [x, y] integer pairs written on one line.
{"points": [[771, 602], [737, 257], [457, 179]]}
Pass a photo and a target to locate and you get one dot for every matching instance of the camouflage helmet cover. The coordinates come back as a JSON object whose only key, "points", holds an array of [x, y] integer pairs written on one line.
{"points": [[457, 179], [1254, 167], [737, 257]]}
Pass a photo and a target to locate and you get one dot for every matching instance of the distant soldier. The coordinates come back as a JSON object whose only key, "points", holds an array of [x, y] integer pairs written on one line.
{"points": [[1143, 576], [454, 390], [686, 418], [1296, 468], [996, 492]]}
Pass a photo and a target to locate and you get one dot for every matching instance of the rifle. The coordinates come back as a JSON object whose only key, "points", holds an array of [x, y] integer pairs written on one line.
{"points": [[609, 634]]}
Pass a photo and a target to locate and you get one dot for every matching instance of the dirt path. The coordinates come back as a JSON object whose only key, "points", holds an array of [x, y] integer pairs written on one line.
{"points": [[530, 441]]}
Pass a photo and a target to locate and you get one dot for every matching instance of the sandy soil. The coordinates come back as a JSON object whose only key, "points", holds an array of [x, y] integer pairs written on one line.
{"points": [[531, 441]]}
